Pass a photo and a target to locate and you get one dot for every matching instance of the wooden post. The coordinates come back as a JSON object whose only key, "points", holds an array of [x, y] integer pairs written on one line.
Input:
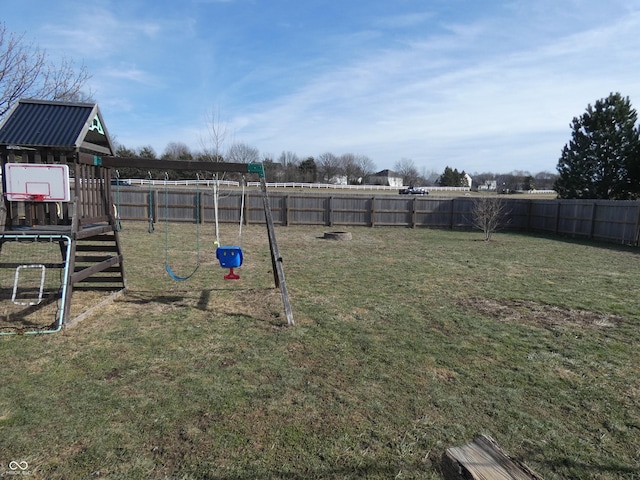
{"points": [[483, 459], [451, 214], [592, 227], [373, 212], [413, 212], [276, 259], [71, 260], [285, 215]]}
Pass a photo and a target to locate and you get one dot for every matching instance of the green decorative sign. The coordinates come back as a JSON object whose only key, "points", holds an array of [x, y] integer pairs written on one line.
{"points": [[96, 126]]}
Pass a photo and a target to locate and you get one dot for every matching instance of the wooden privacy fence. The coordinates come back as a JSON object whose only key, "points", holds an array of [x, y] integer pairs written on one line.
{"points": [[607, 220]]}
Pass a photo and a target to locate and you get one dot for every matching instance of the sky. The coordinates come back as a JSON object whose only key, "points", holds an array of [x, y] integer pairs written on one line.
{"points": [[477, 85]]}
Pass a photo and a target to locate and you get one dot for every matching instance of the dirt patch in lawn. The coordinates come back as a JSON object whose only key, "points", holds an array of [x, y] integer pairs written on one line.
{"points": [[540, 314]]}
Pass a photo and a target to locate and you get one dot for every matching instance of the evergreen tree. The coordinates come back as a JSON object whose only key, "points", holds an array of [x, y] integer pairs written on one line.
{"points": [[452, 178], [308, 170], [601, 160]]}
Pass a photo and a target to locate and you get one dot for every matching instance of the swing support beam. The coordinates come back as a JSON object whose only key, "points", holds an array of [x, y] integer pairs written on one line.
{"points": [[258, 168]]}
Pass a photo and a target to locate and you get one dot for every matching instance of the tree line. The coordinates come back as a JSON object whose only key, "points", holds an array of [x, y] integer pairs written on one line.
{"points": [[326, 168], [287, 167]]}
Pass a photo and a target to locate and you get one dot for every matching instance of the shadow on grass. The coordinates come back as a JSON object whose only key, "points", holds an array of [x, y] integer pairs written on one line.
{"points": [[248, 303], [583, 242]]}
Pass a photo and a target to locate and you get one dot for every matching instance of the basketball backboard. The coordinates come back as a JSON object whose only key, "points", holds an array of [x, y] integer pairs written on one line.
{"points": [[37, 182]]}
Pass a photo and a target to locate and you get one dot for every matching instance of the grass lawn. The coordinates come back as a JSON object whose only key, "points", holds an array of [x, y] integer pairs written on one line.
{"points": [[406, 342]]}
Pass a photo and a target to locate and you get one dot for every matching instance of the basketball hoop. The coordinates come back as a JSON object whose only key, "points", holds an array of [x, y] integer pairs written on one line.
{"points": [[27, 197]]}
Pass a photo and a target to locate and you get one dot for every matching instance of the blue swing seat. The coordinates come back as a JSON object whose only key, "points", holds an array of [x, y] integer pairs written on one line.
{"points": [[229, 257]]}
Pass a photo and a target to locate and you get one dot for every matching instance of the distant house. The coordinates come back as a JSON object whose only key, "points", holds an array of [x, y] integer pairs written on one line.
{"points": [[466, 179], [339, 180], [489, 185], [386, 177]]}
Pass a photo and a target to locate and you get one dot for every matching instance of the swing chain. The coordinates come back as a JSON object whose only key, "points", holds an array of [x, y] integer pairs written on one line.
{"points": [[151, 218], [242, 200], [117, 208], [166, 253]]}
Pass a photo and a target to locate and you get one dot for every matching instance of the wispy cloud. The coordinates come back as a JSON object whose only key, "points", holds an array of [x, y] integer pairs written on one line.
{"points": [[107, 36]]}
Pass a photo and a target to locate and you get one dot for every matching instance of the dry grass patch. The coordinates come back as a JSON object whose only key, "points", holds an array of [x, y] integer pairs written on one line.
{"points": [[539, 314]]}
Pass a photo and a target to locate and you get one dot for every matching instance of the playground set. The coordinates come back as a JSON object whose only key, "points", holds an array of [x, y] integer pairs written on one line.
{"points": [[59, 230]]}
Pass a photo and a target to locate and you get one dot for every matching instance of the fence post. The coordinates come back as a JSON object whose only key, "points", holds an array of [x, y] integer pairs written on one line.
{"points": [[451, 214], [413, 212], [373, 212], [285, 206], [592, 227], [244, 202], [330, 211]]}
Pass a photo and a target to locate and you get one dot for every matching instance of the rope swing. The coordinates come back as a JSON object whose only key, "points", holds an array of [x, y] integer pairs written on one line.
{"points": [[166, 255]]}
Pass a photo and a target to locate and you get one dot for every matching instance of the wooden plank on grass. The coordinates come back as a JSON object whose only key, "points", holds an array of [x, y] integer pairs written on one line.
{"points": [[483, 459]]}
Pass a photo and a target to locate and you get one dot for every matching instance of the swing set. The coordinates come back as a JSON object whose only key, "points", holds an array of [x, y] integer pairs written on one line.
{"points": [[59, 227], [229, 256]]}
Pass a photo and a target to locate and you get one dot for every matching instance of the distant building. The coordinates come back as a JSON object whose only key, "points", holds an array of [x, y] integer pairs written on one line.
{"points": [[466, 180], [339, 180], [489, 185], [386, 177]]}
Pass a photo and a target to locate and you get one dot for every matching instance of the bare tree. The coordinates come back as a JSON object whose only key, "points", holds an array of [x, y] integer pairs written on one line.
{"points": [[243, 153], [288, 158], [408, 171], [177, 151], [289, 161], [350, 167], [25, 71], [366, 167], [488, 214], [216, 135], [329, 166]]}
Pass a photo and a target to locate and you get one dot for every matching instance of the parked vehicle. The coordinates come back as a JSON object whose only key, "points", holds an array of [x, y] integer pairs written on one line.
{"points": [[414, 191], [124, 183]]}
